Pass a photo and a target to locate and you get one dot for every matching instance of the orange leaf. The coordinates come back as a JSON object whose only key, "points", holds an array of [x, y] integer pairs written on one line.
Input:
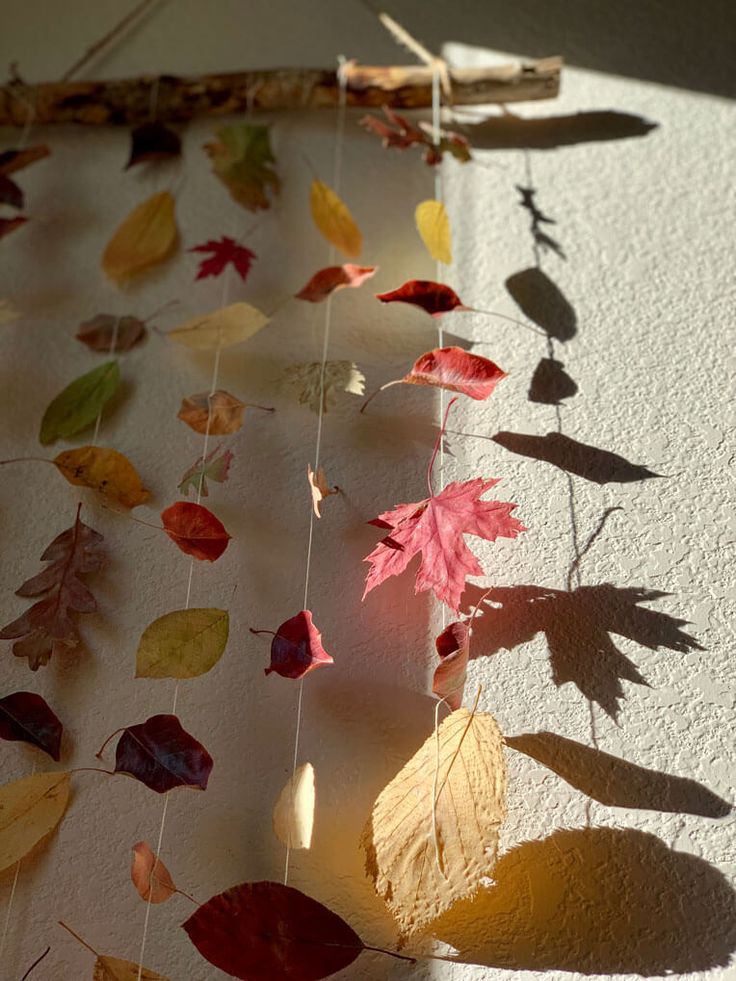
{"points": [[224, 411], [150, 876]]}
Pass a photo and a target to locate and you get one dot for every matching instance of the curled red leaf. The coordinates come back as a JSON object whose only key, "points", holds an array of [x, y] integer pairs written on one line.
{"points": [[163, 755], [195, 530], [224, 252], [435, 299], [333, 278], [453, 648], [296, 647], [25, 717]]}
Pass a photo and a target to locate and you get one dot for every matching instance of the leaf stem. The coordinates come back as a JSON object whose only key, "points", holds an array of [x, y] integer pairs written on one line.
{"points": [[391, 953], [27, 459], [35, 964], [254, 631], [101, 750], [437, 444], [263, 408], [396, 381], [93, 769], [77, 937]]}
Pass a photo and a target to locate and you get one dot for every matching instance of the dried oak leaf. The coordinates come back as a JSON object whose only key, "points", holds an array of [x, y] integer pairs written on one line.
{"points": [[104, 470], [401, 134], [26, 717], [212, 467], [146, 237], [221, 328], [152, 141], [79, 404], [332, 217], [265, 930], [163, 755], [182, 644], [433, 226], [47, 627], [30, 809], [436, 528], [242, 158], [296, 648], [306, 381], [333, 278], [224, 252], [110, 334], [150, 876], [293, 815], [319, 487], [433, 832], [195, 530], [453, 649], [435, 299], [218, 414]]}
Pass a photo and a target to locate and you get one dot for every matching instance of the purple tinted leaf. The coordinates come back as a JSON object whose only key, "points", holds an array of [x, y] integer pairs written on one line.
{"points": [[25, 716], [162, 755]]}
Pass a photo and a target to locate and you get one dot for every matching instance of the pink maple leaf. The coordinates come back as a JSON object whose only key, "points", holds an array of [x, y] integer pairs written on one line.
{"points": [[224, 251]]}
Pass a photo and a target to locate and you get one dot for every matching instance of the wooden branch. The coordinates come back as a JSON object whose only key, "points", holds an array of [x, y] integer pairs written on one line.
{"points": [[128, 101]]}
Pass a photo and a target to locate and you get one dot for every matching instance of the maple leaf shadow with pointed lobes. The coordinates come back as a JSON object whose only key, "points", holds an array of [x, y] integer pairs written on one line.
{"points": [[578, 626], [597, 901]]}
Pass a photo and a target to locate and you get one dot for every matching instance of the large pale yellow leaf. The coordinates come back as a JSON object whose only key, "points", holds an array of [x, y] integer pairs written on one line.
{"points": [[221, 328], [433, 226], [333, 219], [146, 237], [182, 644], [115, 969], [104, 470], [421, 865], [29, 810], [293, 816]]}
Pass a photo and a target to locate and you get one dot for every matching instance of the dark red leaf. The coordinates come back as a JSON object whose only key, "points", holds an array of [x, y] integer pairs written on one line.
{"points": [[152, 141], [8, 225], [13, 160], [297, 647], [162, 755], [261, 931], [195, 530], [25, 716], [10, 193], [224, 251], [453, 647], [333, 278], [435, 298], [401, 134], [98, 333]]}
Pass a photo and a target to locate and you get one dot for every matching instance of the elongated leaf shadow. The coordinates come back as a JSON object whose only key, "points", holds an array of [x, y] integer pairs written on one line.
{"points": [[616, 782], [543, 302], [578, 625], [590, 462], [597, 901], [512, 132]]}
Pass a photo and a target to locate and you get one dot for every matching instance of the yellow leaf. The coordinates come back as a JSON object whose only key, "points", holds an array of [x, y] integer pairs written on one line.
{"points": [[333, 219], [433, 832], [434, 227], [293, 816], [182, 644], [104, 470], [115, 969], [221, 328], [29, 810], [146, 237]]}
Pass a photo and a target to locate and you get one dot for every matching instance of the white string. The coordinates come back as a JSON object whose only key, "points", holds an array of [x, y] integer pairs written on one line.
{"points": [[336, 181]]}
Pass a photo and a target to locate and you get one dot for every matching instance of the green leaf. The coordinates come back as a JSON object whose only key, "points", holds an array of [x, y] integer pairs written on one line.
{"points": [[242, 158], [215, 467], [182, 644], [79, 404]]}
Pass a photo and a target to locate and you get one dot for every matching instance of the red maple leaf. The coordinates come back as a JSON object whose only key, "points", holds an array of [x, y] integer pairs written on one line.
{"points": [[224, 251]]}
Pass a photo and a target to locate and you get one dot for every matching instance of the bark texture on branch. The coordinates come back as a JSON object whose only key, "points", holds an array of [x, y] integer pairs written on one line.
{"points": [[128, 101]]}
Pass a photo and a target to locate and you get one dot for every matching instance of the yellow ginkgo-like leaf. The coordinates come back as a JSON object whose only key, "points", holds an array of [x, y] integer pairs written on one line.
{"points": [[115, 969], [146, 237], [104, 470], [332, 217], [433, 833], [293, 816], [221, 328], [433, 226], [29, 810]]}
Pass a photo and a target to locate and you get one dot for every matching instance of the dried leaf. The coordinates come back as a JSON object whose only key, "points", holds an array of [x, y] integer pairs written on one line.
{"points": [[10, 193], [223, 411], [333, 278], [25, 717], [433, 226], [115, 969], [436, 528], [433, 833], [104, 470], [224, 252], [47, 627], [296, 648], [182, 644], [453, 648], [150, 876], [8, 225], [162, 755], [293, 815], [30, 809], [306, 381], [8, 313], [195, 530], [145, 238], [221, 328], [242, 158], [152, 141], [434, 298], [213, 467], [99, 332], [78, 406], [265, 930], [319, 487], [402, 134], [14, 160], [333, 219]]}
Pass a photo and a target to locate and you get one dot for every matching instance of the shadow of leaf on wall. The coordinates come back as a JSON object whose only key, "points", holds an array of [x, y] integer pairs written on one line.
{"points": [[616, 782], [550, 383], [512, 132], [578, 625], [543, 302], [597, 900]]}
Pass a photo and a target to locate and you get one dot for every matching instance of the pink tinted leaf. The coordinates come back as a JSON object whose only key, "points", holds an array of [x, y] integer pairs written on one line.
{"points": [[333, 278], [453, 648], [215, 466], [25, 716], [224, 252], [162, 755], [195, 530], [435, 299], [456, 370], [296, 648]]}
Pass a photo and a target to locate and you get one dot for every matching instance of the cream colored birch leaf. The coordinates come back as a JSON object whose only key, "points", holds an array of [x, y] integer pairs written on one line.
{"points": [[221, 328], [433, 226], [115, 969], [305, 380], [320, 488], [146, 237], [30, 809], [333, 219], [421, 867], [293, 816]]}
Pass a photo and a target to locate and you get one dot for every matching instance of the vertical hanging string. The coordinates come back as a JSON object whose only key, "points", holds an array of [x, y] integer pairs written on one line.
{"points": [[111, 351], [336, 181]]}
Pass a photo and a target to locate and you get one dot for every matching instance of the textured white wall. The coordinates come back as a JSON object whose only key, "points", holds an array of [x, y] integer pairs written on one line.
{"points": [[584, 887]]}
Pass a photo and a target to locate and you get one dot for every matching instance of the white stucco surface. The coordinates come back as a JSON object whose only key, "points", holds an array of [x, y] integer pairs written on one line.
{"points": [[639, 885]]}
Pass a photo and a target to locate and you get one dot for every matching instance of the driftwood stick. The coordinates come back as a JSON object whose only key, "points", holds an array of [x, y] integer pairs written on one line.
{"points": [[127, 101]]}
